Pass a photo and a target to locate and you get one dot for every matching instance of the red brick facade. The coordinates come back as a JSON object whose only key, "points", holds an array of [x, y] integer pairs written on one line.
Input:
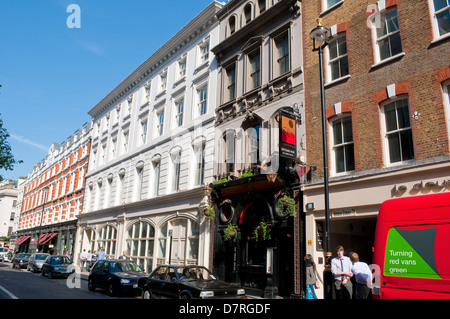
{"points": [[59, 198], [417, 74]]}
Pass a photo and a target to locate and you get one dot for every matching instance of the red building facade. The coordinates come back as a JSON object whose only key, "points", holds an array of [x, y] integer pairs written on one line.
{"points": [[53, 196]]}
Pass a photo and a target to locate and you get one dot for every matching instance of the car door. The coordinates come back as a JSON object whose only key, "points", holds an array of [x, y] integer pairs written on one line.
{"points": [[156, 281], [171, 283], [101, 275]]}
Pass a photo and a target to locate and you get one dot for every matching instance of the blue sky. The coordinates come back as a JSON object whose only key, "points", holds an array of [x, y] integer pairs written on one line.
{"points": [[52, 75]]}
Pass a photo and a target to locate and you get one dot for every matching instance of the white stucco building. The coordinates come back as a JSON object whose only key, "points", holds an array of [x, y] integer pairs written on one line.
{"points": [[152, 153], [8, 200]]}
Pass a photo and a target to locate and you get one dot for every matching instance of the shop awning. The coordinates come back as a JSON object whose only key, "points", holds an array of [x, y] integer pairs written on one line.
{"points": [[41, 238], [17, 240], [20, 240], [48, 238]]}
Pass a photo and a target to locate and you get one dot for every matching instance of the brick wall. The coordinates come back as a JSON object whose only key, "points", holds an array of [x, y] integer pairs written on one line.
{"points": [[418, 74]]}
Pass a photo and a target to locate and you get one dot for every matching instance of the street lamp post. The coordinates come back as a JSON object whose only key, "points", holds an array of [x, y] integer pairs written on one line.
{"points": [[319, 35], [42, 217]]}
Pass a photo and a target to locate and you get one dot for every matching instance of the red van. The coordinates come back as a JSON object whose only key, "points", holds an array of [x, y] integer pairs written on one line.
{"points": [[412, 248]]}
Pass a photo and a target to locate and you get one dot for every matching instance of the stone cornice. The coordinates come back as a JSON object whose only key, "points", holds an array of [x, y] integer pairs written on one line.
{"points": [[181, 40]]}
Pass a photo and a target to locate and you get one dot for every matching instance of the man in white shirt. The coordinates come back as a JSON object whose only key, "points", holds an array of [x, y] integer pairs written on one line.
{"points": [[341, 268], [83, 258], [363, 276]]}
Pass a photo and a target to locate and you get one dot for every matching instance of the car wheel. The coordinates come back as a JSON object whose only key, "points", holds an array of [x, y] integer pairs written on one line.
{"points": [[49, 275], [185, 296], [111, 290], [146, 294], [91, 285]]}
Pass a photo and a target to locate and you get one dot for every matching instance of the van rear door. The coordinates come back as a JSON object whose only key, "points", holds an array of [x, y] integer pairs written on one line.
{"points": [[411, 248]]}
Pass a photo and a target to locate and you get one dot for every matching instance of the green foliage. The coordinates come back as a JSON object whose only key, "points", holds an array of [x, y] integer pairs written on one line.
{"points": [[229, 233], [262, 232], [7, 160], [209, 212], [286, 206]]}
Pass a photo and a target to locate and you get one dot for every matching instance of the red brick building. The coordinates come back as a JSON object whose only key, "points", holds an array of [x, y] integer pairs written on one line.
{"points": [[54, 191], [387, 78]]}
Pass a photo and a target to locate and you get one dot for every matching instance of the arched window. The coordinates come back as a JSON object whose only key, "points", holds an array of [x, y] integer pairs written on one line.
{"points": [[107, 240], [182, 247], [248, 14], [140, 244], [231, 25]]}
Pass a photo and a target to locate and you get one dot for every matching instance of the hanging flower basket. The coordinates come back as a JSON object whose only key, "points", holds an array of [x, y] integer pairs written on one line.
{"points": [[286, 206], [262, 232], [229, 233], [208, 212]]}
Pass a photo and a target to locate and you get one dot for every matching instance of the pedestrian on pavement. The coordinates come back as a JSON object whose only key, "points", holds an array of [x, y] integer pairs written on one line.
{"points": [[312, 277], [83, 258], [363, 276], [94, 258], [124, 256], [88, 260], [341, 268], [101, 254]]}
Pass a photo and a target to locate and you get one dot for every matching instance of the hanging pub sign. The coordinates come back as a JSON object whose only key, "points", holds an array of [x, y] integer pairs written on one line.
{"points": [[288, 133]]}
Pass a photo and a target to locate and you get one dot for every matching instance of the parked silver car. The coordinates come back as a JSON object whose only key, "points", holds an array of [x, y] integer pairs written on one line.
{"points": [[35, 262]]}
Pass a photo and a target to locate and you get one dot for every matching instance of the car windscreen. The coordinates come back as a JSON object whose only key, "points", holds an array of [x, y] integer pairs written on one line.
{"points": [[23, 255], [124, 266], [40, 257], [194, 273]]}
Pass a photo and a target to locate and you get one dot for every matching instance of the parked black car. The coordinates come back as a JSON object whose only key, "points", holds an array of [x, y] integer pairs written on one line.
{"points": [[116, 276], [186, 282], [20, 260], [36, 261], [57, 266]]}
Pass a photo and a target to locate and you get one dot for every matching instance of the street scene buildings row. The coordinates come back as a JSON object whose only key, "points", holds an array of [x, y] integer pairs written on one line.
{"points": [[226, 115]]}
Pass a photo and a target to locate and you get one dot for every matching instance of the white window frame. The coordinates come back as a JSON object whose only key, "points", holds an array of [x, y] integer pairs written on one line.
{"points": [[251, 72], [338, 58], [388, 36], [343, 144], [163, 81], [387, 154], [202, 102], [160, 122], [203, 52], [181, 67], [144, 131], [436, 31], [276, 70], [326, 6], [229, 87], [179, 114]]}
